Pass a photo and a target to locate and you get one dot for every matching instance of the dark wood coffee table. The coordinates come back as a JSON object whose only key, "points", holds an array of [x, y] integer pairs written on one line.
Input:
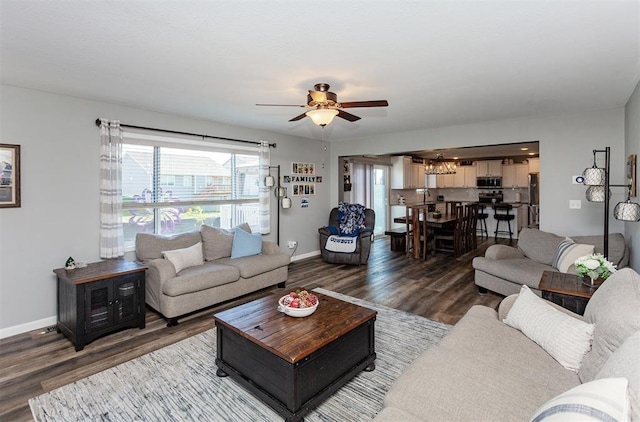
{"points": [[293, 364], [566, 290]]}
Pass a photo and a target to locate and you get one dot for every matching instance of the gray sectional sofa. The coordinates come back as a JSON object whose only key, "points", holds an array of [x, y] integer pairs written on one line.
{"points": [[219, 277], [504, 269], [485, 370]]}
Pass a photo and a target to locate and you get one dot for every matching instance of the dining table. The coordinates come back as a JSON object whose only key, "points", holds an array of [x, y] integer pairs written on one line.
{"points": [[417, 214]]}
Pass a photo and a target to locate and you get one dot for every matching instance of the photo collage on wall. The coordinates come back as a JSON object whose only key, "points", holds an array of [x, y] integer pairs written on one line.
{"points": [[302, 179]]}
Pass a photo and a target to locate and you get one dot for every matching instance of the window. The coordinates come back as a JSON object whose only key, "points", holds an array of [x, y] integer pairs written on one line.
{"points": [[177, 188]]}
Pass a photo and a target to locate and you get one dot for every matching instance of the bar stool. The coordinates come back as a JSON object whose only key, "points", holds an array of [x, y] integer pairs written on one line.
{"points": [[502, 212], [482, 220]]}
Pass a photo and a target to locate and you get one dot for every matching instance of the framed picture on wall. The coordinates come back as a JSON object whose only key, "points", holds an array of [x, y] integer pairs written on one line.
{"points": [[9, 176]]}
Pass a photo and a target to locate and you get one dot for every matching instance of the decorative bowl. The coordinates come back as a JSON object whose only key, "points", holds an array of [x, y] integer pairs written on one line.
{"points": [[296, 312]]}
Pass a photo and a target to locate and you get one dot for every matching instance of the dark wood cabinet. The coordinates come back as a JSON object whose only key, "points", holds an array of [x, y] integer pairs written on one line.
{"points": [[565, 290], [99, 299]]}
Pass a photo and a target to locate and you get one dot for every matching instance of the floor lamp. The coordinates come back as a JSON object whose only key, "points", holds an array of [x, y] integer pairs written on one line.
{"points": [[599, 190], [281, 193]]}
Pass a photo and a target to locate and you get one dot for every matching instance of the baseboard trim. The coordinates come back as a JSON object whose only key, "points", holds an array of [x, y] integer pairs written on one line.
{"points": [[46, 322], [26, 327], [305, 256]]}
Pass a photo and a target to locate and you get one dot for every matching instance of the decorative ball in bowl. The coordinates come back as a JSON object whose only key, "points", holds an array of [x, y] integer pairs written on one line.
{"points": [[298, 304]]}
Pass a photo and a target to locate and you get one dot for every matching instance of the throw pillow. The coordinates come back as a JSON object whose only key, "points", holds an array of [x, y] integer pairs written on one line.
{"points": [[185, 258], [602, 400], [568, 252], [217, 242], [246, 244], [565, 338]]}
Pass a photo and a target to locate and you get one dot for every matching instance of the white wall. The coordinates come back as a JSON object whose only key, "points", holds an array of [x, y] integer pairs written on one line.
{"points": [[566, 145], [632, 146], [60, 158], [59, 215]]}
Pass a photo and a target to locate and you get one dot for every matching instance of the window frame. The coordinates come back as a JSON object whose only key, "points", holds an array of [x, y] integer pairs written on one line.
{"points": [[159, 142]]}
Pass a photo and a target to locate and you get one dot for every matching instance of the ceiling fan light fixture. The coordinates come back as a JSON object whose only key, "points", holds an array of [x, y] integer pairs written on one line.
{"points": [[322, 116]]}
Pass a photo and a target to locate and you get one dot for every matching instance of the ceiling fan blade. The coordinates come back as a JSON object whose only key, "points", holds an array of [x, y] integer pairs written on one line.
{"points": [[299, 117], [376, 103], [280, 105], [348, 116], [318, 96]]}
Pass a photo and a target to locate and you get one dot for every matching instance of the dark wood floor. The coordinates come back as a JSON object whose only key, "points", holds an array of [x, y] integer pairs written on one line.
{"points": [[440, 288]]}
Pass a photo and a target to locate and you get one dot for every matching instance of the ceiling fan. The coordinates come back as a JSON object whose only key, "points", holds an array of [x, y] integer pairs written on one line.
{"points": [[323, 106]]}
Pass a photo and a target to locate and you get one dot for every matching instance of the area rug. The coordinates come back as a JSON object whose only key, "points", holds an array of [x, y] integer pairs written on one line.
{"points": [[179, 382]]}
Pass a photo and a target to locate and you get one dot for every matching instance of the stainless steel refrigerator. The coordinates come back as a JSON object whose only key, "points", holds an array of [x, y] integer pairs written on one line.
{"points": [[534, 200]]}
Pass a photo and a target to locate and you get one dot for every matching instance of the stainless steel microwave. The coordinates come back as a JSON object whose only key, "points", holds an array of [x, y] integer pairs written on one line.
{"points": [[490, 182]]}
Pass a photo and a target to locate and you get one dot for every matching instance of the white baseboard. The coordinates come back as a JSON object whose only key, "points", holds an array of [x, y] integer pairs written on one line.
{"points": [[29, 326], [46, 322], [305, 256]]}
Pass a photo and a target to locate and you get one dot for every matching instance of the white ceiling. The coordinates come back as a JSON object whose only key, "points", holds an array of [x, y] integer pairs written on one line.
{"points": [[437, 62]]}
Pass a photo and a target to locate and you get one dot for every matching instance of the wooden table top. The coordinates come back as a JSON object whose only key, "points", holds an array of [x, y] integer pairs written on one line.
{"points": [[436, 222], [99, 270], [290, 338], [567, 284]]}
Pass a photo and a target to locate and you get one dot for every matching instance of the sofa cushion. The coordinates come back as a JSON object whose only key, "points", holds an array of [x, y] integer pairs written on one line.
{"points": [[459, 384], [520, 271], [246, 244], [538, 245], [565, 338], [567, 253], [150, 246], [202, 277], [601, 400], [625, 362], [618, 251], [250, 266], [186, 257], [217, 242], [614, 309]]}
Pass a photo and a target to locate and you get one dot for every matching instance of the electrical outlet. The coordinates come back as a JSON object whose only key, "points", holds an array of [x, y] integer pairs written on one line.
{"points": [[575, 204], [292, 244]]}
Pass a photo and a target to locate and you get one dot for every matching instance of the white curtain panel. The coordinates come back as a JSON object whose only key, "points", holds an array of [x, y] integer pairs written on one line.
{"points": [[111, 234], [265, 200]]}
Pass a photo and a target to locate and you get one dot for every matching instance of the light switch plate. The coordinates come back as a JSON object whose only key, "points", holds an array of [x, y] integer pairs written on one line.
{"points": [[575, 204]]}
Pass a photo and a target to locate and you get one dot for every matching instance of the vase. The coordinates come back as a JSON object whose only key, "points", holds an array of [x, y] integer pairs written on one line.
{"points": [[594, 283]]}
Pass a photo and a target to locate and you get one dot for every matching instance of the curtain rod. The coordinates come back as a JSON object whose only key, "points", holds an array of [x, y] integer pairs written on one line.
{"points": [[271, 145]]}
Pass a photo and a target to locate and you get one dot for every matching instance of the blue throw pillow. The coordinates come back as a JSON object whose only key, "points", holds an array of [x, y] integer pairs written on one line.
{"points": [[246, 244]]}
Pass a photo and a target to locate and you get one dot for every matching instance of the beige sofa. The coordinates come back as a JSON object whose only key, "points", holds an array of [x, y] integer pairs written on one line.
{"points": [[217, 279], [504, 269], [485, 370]]}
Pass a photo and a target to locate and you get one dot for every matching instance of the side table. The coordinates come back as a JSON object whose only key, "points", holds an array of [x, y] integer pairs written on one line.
{"points": [[566, 290], [99, 299]]}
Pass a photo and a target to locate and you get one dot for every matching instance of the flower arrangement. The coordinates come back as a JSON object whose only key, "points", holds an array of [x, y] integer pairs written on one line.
{"points": [[594, 266]]}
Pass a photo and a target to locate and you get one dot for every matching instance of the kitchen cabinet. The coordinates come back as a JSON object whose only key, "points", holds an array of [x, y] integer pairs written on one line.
{"points": [[534, 165], [465, 177], [445, 181], [489, 168], [405, 174], [515, 176]]}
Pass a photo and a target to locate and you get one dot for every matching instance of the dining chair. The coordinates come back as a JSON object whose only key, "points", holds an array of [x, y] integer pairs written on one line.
{"points": [[471, 236], [452, 240]]}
